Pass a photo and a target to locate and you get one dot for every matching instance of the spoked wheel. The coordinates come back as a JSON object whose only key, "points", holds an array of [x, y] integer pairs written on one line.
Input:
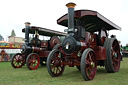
{"points": [[17, 60], [54, 61], [112, 63], [32, 61], [88, 64]]}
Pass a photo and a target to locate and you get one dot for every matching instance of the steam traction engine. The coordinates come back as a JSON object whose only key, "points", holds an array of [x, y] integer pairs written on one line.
{"points": [[36, 51], [86, 45]]}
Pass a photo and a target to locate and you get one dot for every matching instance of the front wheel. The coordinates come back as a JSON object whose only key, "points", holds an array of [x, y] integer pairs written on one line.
{"points": [[32, 61], [17, 60], [88, 64], [54, 63]]}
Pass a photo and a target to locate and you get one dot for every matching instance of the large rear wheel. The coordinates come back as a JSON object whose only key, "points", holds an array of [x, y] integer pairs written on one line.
{"points": [[54, 61], [88, 64], [33, 61], [17, 60], [112, 63]]}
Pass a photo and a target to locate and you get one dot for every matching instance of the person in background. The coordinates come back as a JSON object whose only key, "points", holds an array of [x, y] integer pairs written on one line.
{"points": [[121, 50]]}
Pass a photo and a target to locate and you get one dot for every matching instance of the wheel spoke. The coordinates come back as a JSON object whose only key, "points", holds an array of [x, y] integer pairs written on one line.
{"points": [[87, 62], [91, 72], [90, 55], [57, 70], [115, 59], [114, 64], [87, 68], [117, 51], [57, 58], [53, 66], [53, 59], [115, 46], [88, 71]]}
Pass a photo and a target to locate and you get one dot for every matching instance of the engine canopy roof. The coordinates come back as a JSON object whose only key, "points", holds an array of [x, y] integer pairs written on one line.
{"points": [[91, 20], [44, 31]]}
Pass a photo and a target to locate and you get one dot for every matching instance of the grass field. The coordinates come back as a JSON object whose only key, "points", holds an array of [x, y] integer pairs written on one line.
{"points": [[71, 76]]}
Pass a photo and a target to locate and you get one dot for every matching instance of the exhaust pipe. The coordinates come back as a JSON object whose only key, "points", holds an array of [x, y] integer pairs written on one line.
{"points": [[71, 28], [27, 27]]}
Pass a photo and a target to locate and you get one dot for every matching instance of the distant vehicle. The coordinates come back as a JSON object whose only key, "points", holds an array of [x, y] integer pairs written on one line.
{"points": [[125, 51], [36, 51], [86, 45]]}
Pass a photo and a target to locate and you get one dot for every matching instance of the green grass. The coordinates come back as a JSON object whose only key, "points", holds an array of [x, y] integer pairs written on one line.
{"points": [[71, 76]]}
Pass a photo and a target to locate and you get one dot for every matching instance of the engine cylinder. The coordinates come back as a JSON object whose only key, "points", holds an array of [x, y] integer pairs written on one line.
{"points": [[26, 49], [70, 44]]}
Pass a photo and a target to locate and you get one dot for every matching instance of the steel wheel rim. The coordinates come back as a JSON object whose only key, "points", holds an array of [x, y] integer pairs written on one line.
{"points": [[115, 54], [18, 61], [90, 65], [33, 61], [55, 64]]}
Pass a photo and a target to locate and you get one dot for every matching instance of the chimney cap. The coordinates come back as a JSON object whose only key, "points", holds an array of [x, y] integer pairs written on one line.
{"points": [[70, 5], [27, 23]]}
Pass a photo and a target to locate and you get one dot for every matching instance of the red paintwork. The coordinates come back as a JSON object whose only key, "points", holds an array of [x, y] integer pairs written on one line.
{"points": [[44, 44], [43, 53], [83, 44], [90, 42], [91, 39], [53, 41], [100, 53], [43, 50]]}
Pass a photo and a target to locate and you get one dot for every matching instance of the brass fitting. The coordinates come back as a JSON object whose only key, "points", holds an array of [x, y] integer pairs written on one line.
{"points": [[27, 23], [71, 5]]}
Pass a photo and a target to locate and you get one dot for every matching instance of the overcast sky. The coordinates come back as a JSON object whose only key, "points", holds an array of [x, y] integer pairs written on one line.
{"points": [[44, 13]]}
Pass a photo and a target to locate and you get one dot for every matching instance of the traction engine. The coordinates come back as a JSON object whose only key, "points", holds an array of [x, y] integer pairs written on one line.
{"points": [[35, 51], [86, 46]]}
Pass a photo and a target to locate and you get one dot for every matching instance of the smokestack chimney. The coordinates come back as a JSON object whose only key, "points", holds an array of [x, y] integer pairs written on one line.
{"points": [[71, 6], [27, 26]]}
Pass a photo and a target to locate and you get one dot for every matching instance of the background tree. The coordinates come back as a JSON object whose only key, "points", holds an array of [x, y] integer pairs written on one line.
{"points": [[1, 38], [13, 33], [126, 45]]}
